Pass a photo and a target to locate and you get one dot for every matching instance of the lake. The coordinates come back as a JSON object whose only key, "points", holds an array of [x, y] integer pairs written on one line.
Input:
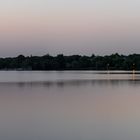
{"points": [[70, 105]]}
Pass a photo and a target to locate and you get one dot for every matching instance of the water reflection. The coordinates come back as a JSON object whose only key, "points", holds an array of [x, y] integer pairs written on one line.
{"points": [[70, 107], [75, 83]]}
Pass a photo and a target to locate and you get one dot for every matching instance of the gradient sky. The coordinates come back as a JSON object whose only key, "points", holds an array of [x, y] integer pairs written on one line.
{"points": [[69, 26]]}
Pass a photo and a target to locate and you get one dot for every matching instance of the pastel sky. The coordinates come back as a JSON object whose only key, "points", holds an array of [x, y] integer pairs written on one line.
{"points": [[69, 26]]}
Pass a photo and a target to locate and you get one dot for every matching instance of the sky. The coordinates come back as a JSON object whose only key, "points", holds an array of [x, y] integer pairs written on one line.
{"points": [[85, 27]]}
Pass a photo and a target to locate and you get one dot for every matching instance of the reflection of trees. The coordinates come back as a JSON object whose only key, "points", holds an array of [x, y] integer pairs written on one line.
{"points": [[73, 83]]}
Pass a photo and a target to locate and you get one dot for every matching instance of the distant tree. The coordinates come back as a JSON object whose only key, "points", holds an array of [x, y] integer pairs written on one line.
{"points": [[73, 62], [60, 62], [20, 59]]}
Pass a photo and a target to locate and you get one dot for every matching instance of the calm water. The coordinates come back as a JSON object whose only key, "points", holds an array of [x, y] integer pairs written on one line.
{"points": [[83, 105]]}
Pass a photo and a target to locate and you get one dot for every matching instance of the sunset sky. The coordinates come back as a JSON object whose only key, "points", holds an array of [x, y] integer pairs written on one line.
{"points": [[69, 26]]}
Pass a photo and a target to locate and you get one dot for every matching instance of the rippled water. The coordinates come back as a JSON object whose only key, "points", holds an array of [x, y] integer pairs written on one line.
{"points": [[71, 105]]}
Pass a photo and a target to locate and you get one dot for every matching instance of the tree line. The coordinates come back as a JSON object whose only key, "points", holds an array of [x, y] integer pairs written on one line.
{"points": [[73, 62]]}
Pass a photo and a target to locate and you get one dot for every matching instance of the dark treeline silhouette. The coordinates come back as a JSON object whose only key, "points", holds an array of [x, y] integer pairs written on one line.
{"points": [[73, 62]]}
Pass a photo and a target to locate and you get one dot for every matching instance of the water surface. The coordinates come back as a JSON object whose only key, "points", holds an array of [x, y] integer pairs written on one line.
{"points": [[71, 105]]}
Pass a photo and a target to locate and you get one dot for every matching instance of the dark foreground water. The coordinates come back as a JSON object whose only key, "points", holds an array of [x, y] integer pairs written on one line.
{"points": [[73, 105]]}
